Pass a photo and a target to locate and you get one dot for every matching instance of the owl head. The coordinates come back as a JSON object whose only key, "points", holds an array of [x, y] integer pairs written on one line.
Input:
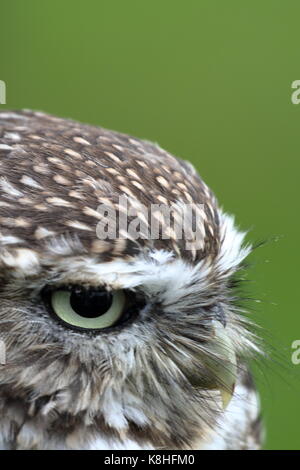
{"points": [[124, 340]]}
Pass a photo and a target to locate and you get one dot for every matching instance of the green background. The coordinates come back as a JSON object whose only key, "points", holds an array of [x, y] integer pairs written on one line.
{"points": [[211, 82]]}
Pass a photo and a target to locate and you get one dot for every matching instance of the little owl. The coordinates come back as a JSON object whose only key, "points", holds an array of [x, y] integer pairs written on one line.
{"points": [[117, 341]]}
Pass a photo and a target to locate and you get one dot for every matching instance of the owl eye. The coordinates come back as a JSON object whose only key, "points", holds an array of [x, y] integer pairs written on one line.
{"points": [[90, 309]]}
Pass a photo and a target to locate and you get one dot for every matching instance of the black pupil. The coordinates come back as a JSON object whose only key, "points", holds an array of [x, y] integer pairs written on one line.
{"points": [[91, 303]]}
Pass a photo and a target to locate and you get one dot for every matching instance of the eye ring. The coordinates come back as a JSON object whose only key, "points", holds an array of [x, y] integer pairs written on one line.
{"points": [[61, 304], [123, 309]]}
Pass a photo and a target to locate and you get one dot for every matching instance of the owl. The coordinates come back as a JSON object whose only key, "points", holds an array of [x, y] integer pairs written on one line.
{"points": [[115, 337]]}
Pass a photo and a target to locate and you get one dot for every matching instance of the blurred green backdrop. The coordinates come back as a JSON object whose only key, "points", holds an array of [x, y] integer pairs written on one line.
{"points": [[208, 80]]}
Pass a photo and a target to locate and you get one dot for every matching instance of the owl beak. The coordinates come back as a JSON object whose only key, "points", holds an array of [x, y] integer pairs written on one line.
{"points": [[224, 364]]}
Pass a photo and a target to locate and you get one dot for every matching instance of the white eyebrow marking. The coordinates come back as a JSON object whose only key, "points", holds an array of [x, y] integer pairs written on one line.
{"points": [[23, 259]]}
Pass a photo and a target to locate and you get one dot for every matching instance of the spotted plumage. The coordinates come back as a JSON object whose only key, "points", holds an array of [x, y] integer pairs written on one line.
{"points": [[159, 378]]}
